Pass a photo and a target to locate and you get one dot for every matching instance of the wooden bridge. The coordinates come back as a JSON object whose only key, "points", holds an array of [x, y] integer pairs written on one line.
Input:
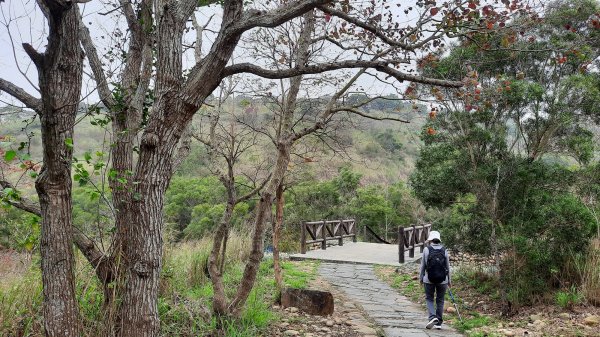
{"points": [[328, 237]]}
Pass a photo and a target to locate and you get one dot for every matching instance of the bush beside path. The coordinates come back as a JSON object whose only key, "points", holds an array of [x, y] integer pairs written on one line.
{"points": [[477, 292]]}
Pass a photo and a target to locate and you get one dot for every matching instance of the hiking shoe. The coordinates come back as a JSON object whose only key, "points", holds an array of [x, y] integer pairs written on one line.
{"points": [[438, 326], [432, 322]]}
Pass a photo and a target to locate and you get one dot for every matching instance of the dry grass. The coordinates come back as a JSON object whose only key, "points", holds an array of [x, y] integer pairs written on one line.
{"points": [[590, 274], [190, 258], [185, 291], [13, 266], [20, 295]]}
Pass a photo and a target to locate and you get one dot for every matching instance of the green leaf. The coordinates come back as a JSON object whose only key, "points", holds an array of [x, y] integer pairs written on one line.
{"points": [[87, 156], [94, 195], [28, 245], [69, 143], [10, 155]]}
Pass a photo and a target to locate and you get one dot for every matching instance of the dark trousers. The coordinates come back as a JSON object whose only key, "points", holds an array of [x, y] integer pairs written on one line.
{"points": [[439, 290]]}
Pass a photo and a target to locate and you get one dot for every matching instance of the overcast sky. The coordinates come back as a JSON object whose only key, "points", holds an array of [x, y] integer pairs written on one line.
{"points": [[21, 21]]}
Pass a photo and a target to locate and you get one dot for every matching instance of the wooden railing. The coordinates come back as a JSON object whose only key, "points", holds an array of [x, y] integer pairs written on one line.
{"points": [[323, 231], [410, 238], [371, 232]]}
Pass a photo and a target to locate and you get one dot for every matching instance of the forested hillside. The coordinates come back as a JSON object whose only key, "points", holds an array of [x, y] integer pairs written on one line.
{"points": [[378, 155]]}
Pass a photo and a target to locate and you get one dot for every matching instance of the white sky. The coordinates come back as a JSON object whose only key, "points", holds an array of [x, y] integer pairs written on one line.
{"points": [[21, 21]]}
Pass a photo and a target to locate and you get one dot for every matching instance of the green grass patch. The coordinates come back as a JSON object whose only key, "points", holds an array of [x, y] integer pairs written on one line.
{"points": [[404, 283], [482, 282], [472, 322], [300, 275], [567, 299]]}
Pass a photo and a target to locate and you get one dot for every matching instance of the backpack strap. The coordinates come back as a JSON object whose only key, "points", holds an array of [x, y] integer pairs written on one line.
{"points": [[445, 257]]}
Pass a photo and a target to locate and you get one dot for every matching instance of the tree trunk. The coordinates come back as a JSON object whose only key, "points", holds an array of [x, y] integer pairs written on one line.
{"points": [[126, 115], [263, 209], [216, 273], [60, 76], [61, 317], [276, 233], [142, 253], [223, 252]]}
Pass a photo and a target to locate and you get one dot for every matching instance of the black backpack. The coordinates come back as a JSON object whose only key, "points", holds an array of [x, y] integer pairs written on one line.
{"points": [[436, 265]]}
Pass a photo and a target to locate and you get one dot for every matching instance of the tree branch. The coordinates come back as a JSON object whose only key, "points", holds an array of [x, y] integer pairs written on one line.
{"points": [[129, 13], [199, 30], [87, 246], [253, 192], [186, 7], [95, 64], [184, 149], [20, 94], [362, 24], [35, 56], [360, 113], [21, 203], [275, 17], [381, 66]]}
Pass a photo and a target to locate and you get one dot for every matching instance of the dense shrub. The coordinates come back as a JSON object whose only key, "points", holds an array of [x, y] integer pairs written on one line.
{"points": [[465, 226], [18, 230]]}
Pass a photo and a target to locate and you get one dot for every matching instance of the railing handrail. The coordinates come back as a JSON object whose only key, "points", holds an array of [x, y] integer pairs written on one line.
{"points": [[326, 230], [410, 238], [327, 221], [372, 232]]}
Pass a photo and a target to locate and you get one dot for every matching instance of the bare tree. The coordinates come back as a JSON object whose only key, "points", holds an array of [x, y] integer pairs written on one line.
{"points": [[226, 142], [290, 46]]}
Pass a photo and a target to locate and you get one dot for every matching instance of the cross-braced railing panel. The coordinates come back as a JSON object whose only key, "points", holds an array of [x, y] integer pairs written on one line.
{"points": [[411, 237], [323, 231]]}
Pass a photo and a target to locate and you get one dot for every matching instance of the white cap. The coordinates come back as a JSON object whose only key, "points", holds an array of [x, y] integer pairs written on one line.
{"points": [[434, 235]]}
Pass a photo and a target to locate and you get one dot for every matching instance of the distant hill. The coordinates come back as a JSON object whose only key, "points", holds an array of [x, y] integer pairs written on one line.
{"points": [[383, 151]]}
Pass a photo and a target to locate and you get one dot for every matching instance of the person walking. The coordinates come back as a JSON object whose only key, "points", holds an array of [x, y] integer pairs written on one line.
{"points": [[435, 276]]}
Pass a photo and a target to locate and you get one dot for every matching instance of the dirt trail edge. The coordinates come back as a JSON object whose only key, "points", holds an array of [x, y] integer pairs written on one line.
{"points": [[395, 314]]}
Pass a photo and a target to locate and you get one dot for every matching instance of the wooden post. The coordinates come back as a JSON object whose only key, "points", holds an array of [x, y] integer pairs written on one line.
{"points": [[401, 244], [422, 239], [340, 228], [413, 239], [354, 230], [324, 235], [303, 238]]}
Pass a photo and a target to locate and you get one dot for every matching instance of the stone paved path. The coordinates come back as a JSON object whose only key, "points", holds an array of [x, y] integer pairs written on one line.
{"points": [[391, 311]]}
